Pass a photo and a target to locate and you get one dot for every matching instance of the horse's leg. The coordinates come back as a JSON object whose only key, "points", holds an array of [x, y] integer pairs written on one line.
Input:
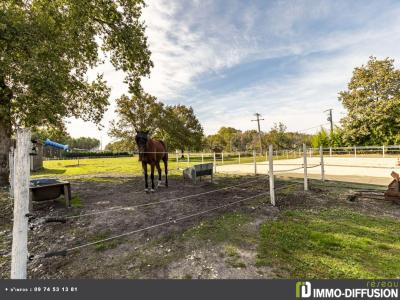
{"points": [[159, 173], [144, 166], [165, 159], [152, 176]]}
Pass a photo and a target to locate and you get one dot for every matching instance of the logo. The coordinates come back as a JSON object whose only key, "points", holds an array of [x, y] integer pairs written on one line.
{"points": [[303, 289]]}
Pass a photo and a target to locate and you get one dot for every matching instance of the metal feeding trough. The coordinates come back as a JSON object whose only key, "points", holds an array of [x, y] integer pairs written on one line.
{"points": [[49, 189], [198, 171], [393, 191]]}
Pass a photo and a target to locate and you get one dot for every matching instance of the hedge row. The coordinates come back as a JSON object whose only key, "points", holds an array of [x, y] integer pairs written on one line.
{"points": [[95, 154]]}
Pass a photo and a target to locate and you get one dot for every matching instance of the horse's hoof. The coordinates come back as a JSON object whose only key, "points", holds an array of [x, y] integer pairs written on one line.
{"points": [[160, 184], [152, 190], [146, 190]]}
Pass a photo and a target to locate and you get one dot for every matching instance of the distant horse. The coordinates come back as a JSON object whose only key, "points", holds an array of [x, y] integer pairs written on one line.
{"points": [[151, 152]]}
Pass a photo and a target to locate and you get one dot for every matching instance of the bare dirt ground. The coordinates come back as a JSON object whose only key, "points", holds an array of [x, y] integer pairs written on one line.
{"points": [[187, 249]]}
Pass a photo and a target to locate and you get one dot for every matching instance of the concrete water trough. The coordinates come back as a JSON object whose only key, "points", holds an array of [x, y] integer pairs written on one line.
{"points": [[198, 171], [49, 189]]}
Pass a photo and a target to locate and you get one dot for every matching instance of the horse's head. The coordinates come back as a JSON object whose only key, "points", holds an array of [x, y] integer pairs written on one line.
{"points": [[141, 139]]}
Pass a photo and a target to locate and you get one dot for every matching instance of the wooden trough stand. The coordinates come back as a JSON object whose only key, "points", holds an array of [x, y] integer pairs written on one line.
{"points": [[393, 191], [198, 171], [49, 189]]}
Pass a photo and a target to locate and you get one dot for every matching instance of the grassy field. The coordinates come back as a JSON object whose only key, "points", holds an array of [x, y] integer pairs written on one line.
{"points": [[125, 165], [311, 241], [335, 243]]}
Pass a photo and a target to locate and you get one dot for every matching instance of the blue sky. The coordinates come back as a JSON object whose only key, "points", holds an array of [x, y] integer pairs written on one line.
{"points": [[284, 59]]}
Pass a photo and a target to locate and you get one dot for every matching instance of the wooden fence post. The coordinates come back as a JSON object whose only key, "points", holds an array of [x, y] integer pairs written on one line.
{"points": [[11, 166], [271, 175], [305, 167], [215, 164], [321, 155], [177, 159], [19, 253], [255, 162]]}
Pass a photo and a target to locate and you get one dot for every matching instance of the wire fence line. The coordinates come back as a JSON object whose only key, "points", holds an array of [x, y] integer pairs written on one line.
{"points": [[157, 202], [271, 194], [220, 159], [224, 157], [172, 220]]}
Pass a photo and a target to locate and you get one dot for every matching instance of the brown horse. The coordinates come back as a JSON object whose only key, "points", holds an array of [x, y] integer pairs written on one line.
{"points": [[151, 152]]}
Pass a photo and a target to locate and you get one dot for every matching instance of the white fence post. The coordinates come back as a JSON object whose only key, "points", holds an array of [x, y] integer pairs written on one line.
{"points": [[383, 151], [19, 253], [188, 159], [330, 151], [321, 155], [255, 162], [305, 167], [215, 164], [11, 166], [239, 158], [202, 157], [271, 175], [355, 151], [177, 159], [222, 157]]}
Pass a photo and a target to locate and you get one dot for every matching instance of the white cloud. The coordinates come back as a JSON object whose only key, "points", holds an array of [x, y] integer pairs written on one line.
{"points": [[194, 42]]}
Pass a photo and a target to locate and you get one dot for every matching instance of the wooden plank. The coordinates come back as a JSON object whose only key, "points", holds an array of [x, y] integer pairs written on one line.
{"points": [[19, 254], [305, 167], [271, 175], [11, 166]]}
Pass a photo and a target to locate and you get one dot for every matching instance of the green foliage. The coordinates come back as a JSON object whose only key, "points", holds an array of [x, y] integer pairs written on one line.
{"points": [[227, 228], [77, 154], [177, 125], [110, 166], [121, 146], [183, 129], [227, 138], [320, 139], [139, 112], [230, 139], [76, 202], [331, 244], [48, 46], [86, 143], [46, 50], [278, 137], [372, 101]]}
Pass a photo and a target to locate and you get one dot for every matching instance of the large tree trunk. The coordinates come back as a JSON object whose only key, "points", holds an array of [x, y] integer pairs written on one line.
{"points": [[5, 142], [5, 131]]}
